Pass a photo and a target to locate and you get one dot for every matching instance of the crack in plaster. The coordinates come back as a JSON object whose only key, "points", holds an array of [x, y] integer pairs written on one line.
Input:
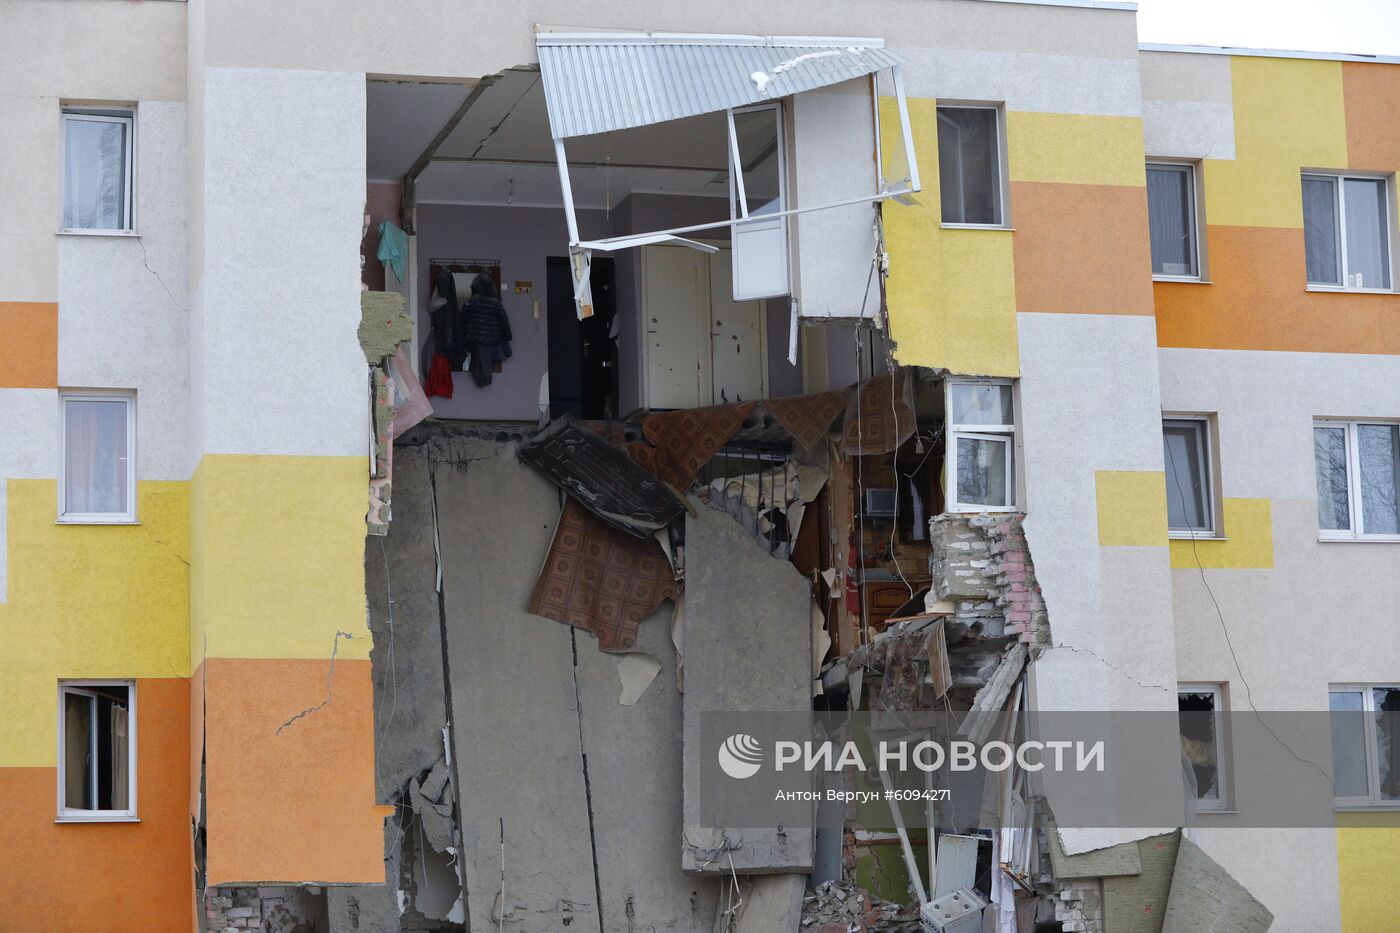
{"points": [[145, 261], [330, 677]]}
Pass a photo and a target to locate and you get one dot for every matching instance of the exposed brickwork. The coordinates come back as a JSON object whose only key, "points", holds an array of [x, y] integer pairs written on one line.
{"points": [[982, 564]]}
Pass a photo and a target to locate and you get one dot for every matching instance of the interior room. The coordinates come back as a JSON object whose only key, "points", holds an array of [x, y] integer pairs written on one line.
{"points": [[667, 330]]}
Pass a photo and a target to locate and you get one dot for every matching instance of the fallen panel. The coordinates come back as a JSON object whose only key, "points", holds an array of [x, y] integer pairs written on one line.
{"points": [[991, 699], [1100, 863], [1138, 903], [514, 704], [1204, 897], [957, 863], [601, 477], [773, 904], [748, 646]]}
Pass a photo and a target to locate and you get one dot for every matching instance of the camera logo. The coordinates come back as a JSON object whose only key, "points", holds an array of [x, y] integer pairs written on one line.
{"points": [[740, 756]]}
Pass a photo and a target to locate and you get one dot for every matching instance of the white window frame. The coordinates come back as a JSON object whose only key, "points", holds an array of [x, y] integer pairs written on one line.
{"points": [[739, 204], [993, 432], [1357, 530], [1198, 227], [1373, 799], [1212, 505], [1221, 801], [1339, 179], [122, 115], [96, 518], [1003, 180], [67, 814]]}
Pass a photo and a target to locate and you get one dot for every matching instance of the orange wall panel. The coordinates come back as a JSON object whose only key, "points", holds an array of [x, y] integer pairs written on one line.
{"points": [[296, 805], [29, 350], [1372, 95], [1081, 248], [106, 877], [1258, 301]]}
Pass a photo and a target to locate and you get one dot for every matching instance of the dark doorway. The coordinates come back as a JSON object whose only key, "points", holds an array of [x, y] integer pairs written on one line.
{"points": [[582, 354]]}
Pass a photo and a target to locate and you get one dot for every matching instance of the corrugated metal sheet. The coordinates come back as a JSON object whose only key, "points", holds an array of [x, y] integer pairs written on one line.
{"points": [[594, 84]]}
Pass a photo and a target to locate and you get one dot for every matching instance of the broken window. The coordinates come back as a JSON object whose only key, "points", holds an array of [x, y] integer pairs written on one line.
{"points": [[969, 165], [1365, 724], [1358, 475], [1190, 500], [1200, 710], [599, 83], [981, 442], [97, 481], [97, 742]]}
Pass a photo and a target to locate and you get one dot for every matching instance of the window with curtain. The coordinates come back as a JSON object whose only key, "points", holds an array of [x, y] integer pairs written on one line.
{"points": [[1201, 720], [969, 165], [1346, 231], [1365, 726], [1187, 454], [97, 764], [1358, 479], [1171, 216], [97, 169], [981, 442], [98, 469]]}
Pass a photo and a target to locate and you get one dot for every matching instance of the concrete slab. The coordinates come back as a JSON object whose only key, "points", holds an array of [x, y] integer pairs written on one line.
{"points": [[748, 647], [773, 904], [515, 716]]}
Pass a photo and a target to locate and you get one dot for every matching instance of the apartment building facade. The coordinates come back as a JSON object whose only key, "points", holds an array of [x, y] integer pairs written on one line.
{"points": [[1173, 266]]}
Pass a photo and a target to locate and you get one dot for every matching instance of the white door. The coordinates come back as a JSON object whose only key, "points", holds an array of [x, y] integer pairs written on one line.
{"points": [[676, 324], [738, 353]]}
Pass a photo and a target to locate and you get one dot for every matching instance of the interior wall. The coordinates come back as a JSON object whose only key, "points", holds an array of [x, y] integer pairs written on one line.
{"points": [[521, 238], [382, 200]]}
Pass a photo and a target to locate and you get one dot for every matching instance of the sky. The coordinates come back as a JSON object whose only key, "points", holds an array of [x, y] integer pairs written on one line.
{"points": [[1365, 26]]}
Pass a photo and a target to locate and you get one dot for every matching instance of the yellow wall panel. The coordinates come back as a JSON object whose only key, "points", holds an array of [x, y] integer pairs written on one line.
{"points": [[88, 601], [1368, 862], [1074, 149], [1248, 541], [1289, 115], [1132, 507], [278, 566], [951, 293]]}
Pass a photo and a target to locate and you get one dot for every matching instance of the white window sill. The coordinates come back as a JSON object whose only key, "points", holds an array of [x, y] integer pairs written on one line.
{"points": [[977, 509], [98, 818], [96, 520], [1197, 536], [1213, 811], [1189, 279], [1359, 539], [1391, 806], [977, 227], [125, 233], [1340, 290]]}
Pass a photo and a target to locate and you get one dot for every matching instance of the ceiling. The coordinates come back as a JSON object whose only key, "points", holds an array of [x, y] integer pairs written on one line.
{"points": [[501, 151]]}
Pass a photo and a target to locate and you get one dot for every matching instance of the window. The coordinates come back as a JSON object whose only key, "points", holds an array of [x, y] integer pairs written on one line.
{"points": [[97, 476], [1365, 723], [981, 438], [1190, 476], [1357, 465], [969, 165], [1201, 716], [757, 170], [1346, 231], [97, 157], [1171, 215], [96, 750]]}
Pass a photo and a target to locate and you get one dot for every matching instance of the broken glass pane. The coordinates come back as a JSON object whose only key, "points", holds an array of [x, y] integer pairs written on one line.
{"points": [[982, 471], [1379, 446], [1197, 716], [1348, 744], [981, 403], [1388, 741], [1330, 455]]}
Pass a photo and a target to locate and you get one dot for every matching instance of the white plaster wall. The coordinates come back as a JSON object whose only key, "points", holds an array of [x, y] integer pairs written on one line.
{"points": [[278, 368], [31, 417], [1188, 109], [1090, 402], [1327, 612], [121, 300], [1033, 81]]}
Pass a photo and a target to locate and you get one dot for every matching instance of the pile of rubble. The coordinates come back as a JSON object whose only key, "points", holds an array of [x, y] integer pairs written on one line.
{"points": [[842, 907]]}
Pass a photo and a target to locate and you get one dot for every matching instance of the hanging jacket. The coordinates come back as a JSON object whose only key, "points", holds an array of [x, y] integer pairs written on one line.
{"points": [[483, 330]]}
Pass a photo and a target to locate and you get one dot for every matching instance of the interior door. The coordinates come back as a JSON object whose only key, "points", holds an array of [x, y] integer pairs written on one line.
{"points": [[676, 308], [738, 352]]}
